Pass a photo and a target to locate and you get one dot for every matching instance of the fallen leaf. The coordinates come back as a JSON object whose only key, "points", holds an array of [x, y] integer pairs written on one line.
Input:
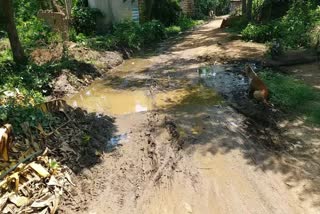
{"points": [[69, 179], [3, 200], [45, 201], [39, 169], [53, 181], [19, 201]]}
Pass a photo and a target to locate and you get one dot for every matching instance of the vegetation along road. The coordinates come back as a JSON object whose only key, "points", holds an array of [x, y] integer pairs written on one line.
{"points": [[160, 107]]}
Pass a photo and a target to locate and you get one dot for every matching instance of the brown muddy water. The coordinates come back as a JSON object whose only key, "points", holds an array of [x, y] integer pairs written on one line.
{"points": [[104, 99], [116, 96]]}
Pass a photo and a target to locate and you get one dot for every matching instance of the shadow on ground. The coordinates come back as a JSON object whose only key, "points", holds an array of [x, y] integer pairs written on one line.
{"points": [[261, 143]]}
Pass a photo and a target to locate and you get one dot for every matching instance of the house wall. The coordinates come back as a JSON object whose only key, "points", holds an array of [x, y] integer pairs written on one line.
{"points": [[235, 7], [114, 10], [187, 6]]}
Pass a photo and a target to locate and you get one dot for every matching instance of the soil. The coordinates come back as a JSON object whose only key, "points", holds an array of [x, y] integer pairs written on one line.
{"points": [[85, 65], [177, 148]]}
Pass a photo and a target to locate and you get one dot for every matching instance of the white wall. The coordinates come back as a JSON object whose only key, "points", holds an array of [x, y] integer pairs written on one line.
{"points": [[113, 10]]}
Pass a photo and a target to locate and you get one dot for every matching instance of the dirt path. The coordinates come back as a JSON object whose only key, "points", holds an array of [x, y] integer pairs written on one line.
{"points": [[180, 148]]}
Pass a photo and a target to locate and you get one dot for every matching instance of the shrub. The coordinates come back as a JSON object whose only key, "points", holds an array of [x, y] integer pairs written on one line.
{"points": [[173, 30], [128, 34], [106, 42], [261, 33], [85, 19], [186, 23], [296, 24], [166, 11], [153, 31], [34, 31]]}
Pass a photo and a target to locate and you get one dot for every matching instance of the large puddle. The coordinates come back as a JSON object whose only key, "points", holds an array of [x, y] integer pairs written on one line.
{"points": [[118, 96], [103, 99]]}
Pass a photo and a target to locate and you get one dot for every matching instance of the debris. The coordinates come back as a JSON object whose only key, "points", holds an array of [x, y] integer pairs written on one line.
{"points": [[39, 169], [19, 201]]}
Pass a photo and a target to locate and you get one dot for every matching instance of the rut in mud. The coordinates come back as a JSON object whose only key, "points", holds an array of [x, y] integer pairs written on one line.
{"points": [[179, 147]]}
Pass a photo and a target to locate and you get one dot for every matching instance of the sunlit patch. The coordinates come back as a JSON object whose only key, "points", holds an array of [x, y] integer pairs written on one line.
{"points": [[107, 100]]}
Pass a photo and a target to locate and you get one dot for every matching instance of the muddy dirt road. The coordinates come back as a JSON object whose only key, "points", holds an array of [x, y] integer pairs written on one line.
{"points": [[179, 148]]}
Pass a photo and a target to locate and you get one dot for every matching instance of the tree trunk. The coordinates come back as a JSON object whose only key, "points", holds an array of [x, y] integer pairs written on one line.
{"points": [[244, 7], [17, 50], [148, 9], [249, 9]]}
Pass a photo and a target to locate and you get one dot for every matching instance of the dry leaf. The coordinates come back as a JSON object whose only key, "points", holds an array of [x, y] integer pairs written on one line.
{"points": [[19, 201], [39, 169], [68, 177], [3, 200], [53, 181], [45, 201]]}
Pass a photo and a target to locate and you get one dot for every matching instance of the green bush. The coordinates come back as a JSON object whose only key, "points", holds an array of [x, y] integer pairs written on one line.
{"points": [[294, 29], [132, 35], [261, 33], [166, 11], [186, 23], [153, 31], [296, 24], [85, 19], [128, 34], [173, 30], [34, 31], [106, 42]]}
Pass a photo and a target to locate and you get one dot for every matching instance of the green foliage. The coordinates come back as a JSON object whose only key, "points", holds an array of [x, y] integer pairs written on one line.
{"points": [[128, 34], [85, 19], [166, 11], [34, 31], [173, 30], [153, 31], [297, 23], [26, 9], [261, 33], [186, 23], [295, 29], [17, 114], [293, 95]]}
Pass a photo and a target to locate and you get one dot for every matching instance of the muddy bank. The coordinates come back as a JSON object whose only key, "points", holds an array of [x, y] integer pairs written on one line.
{"points": [[80, 66]]}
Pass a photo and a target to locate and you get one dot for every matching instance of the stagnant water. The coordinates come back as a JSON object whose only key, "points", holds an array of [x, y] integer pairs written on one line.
{"points": [[118, 96]]}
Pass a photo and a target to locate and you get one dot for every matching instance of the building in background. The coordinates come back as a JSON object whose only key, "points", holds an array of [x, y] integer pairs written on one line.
{"points": [[235, 7], [115, 11], [187, 7]]}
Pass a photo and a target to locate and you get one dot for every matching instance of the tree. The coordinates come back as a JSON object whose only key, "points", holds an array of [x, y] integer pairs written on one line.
{"points": [[244, 7], [10, 27], [249, 9]]}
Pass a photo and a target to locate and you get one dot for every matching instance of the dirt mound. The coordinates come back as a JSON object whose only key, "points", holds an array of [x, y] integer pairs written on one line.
{"points": [[102, 59]]}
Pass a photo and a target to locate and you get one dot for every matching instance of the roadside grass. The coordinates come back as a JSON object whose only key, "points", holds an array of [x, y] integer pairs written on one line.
{"points": [[134, 36], [293, 96]]}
